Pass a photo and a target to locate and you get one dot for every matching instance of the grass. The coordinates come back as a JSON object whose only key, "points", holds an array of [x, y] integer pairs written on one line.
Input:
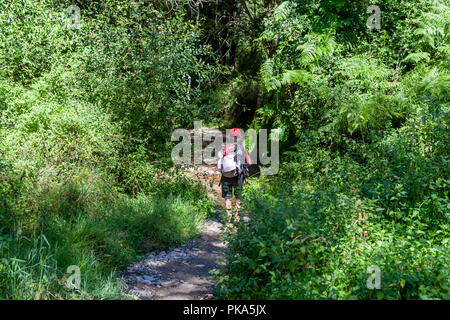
{"points": [[99, 232]]}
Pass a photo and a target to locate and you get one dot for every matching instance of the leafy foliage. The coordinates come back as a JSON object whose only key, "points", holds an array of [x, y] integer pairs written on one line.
{"points": [[364, 173], [86, 117]]}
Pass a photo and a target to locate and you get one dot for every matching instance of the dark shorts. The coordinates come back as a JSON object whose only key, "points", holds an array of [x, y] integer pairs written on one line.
{"points": [[232, 184]]}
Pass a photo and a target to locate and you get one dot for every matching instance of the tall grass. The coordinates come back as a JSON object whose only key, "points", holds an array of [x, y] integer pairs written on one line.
{"points": [[100, 238]]}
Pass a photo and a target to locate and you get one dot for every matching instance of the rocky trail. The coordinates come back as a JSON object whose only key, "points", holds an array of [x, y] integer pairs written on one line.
{"points": [[184, 272]]}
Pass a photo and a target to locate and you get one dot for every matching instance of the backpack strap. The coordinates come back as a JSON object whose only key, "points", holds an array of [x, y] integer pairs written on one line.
{"points": [[224, 153], [235, 156]]}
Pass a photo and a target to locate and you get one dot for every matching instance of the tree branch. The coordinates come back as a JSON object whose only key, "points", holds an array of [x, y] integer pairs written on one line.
{"points": [[244, 5]]}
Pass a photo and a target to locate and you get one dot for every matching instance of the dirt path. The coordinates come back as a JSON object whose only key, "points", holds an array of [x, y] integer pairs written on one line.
{"points": [[184, 272]]}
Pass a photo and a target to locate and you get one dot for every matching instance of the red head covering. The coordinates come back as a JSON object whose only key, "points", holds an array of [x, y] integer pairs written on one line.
{"points": [[235, 132]]}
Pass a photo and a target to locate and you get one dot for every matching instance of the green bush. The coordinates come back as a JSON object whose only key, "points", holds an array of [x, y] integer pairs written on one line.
{"points": [[315, 229], [86, 117]]}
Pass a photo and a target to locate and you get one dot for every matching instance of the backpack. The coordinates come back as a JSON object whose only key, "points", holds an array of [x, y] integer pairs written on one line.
{"points": [[229, 163]]}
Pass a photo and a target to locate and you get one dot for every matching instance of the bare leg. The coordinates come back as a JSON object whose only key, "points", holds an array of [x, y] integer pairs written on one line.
{"points": [[228, 205], [238, 207]]}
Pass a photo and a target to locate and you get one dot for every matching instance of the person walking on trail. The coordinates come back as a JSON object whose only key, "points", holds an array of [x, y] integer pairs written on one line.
{"points": [[232, 163]]}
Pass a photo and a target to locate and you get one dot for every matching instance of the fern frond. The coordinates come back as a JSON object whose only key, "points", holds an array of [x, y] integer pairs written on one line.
{"points": [[296, 76], [270, 81], [367, 69], [433, 27], [309, 52], [435, 82], [316, 46], [416, 57], [282, 11]]}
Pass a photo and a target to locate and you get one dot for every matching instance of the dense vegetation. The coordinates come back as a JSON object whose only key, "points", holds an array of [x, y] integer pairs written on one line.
{"points": [[85, 113], [86, 116], [364, 180]]}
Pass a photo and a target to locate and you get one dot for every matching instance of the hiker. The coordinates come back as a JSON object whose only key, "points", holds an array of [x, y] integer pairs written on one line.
{"points": [[232, 163]]}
